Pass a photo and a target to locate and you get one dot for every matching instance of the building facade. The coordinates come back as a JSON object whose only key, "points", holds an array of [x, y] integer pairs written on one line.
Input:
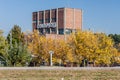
{"points": [[57, 21]]}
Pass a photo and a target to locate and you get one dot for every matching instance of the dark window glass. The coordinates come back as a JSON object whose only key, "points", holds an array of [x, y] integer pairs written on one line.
{"points": [[61, 31], [35, 21], [41, 21], [53, 19], [47, 30], [47, 20], [53, 30], [68, 31], [41, 30]]}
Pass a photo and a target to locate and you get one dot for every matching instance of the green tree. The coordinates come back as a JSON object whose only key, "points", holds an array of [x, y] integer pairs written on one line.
{"points": [[3, 45], [18, 56], [15, 35], [17, 53], [116, 39]]}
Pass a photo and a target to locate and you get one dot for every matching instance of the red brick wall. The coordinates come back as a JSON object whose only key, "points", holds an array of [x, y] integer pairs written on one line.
{"points": [[69, 21], [34, 16], [73, 18], [58, 37], [34, 26], [61, 18], [34, 19], [41, 14], [69, 18], [53, 14], [47, 15], [78, 19]]}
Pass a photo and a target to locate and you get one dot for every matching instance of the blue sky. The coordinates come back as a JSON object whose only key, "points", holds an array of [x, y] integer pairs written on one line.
{"points": [[98, 15]]}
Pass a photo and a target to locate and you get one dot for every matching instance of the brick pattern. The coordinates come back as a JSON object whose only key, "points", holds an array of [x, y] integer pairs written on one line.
{"points": [[61, 18], [47, 16], [69, 18], [34, 16], [34, 26], [41, 14], [53, 14], [78, 19], [34, 19], [58, 37], [73, 19]]}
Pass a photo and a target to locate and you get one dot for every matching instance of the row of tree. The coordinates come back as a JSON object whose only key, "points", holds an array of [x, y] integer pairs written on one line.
{"points": [[81, 48]]}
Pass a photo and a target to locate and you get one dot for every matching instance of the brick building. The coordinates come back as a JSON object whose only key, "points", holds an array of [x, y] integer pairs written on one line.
{"points": [[57, 21]]}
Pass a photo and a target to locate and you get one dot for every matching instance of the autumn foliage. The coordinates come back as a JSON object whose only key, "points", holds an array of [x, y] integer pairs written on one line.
{"points": [[82, 48]]}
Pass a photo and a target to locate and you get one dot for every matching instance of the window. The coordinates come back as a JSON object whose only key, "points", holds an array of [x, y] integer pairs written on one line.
{"points": [[68, 31], [53, 19], [61, 31], [47, 30], [35, 21], [53, 30], [41, 30], [47, 20], [41, 21]]}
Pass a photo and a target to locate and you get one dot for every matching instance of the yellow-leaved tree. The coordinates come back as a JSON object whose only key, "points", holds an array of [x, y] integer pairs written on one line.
{"points": [[40, 46], [92, 47], [105, 51], [83, 44], [63, 52], [36, 45]]}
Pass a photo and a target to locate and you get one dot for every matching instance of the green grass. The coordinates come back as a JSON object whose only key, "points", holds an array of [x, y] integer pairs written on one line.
{"points": [[58, 74]]}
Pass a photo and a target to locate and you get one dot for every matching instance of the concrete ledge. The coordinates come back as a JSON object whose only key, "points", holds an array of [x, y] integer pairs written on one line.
{"points": [[58, 68]]}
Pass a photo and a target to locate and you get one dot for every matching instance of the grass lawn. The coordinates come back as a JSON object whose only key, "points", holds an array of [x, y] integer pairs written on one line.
{"points": [[111, 74]]}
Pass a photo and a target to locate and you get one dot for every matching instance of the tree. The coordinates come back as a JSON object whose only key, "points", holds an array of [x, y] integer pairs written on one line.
{"points": [[18, 56], [116, 39], [83, 45], [15, 35], [62, 52], [40, 46], [105, 49], [36, 45], [17, 53], [3, 45], [92, 47]]}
